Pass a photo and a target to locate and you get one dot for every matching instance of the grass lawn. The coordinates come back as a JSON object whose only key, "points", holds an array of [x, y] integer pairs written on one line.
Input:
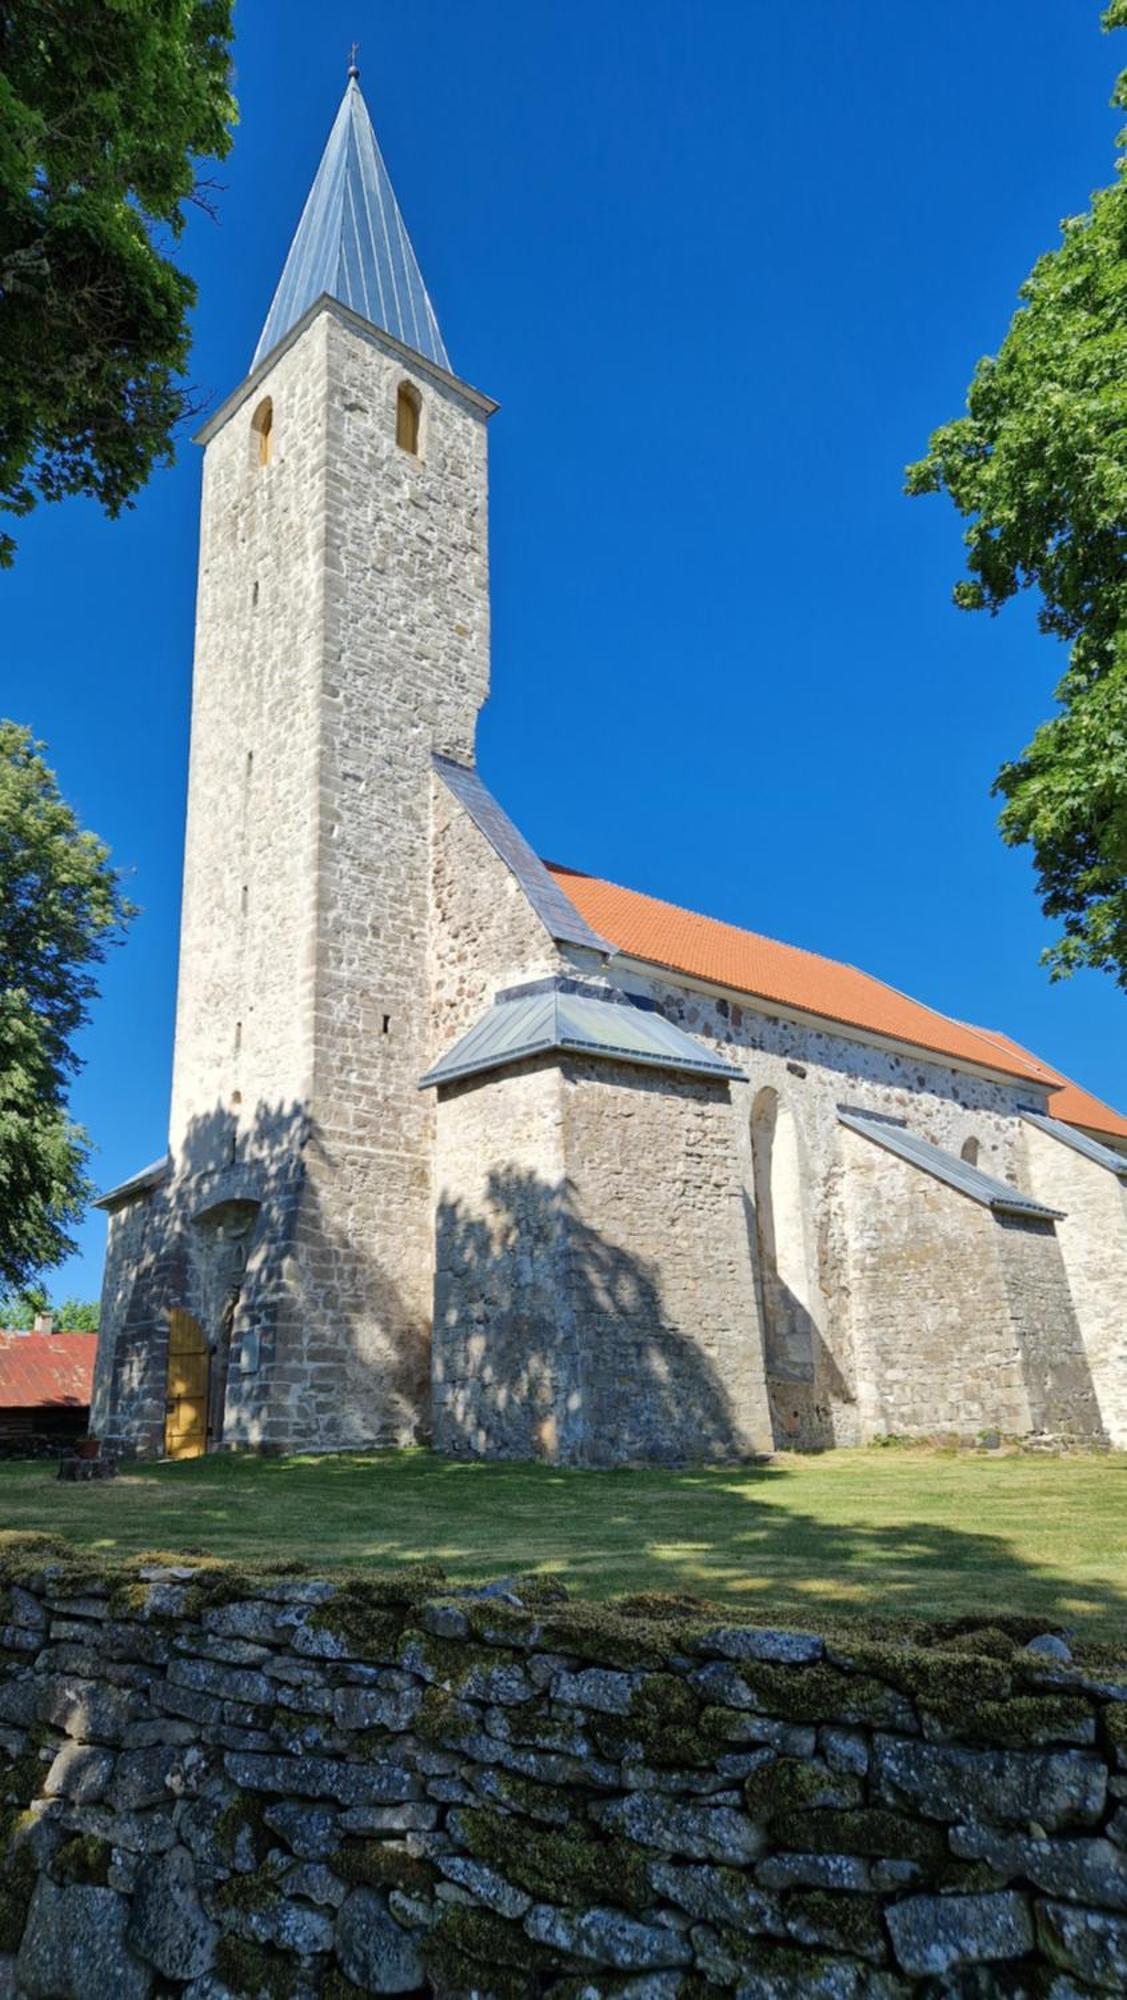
{"points": [[917, 1531]]}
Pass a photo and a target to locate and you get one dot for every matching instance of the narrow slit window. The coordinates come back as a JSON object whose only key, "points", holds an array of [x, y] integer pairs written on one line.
{"points": [[408, 410], [262, 431]]}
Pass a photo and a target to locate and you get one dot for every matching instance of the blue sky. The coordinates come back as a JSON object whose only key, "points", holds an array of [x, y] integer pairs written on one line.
{"points": [[724, 264]]}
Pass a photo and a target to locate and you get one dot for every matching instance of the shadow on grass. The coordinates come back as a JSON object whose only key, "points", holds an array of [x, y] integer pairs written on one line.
{"points": [[747, 1535]]}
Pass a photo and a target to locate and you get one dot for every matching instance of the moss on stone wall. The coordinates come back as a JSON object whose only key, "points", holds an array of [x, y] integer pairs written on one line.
{"points": [[470, 1949], [571, 1866], [251, 1969], [539, 1760], [384, 1864], [84, 1858]]}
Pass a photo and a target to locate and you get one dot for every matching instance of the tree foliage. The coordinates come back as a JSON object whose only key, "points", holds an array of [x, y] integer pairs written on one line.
{"points": [[61, 906], [105, 108], [1038, 467], [20, 1310]]}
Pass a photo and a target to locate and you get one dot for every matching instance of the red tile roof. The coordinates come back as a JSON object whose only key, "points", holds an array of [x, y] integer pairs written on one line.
{"points": [[661, 934], [1070, 1103], [38, 1369]]}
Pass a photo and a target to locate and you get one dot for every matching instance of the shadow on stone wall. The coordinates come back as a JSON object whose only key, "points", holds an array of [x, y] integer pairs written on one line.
{"points": [[310, 1340], [801, 1393], [552, 1342]]}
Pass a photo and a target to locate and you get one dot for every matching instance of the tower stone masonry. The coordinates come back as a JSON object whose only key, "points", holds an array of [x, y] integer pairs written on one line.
{"points": [[466, 1147]]}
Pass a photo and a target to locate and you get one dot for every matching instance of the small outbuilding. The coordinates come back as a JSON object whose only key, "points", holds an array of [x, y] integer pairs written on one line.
{"points": [[45, 1385]]}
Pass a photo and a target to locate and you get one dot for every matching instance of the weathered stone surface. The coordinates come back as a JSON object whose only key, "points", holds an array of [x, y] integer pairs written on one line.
{"points": [[747, 1643], [1079, 1871], [1089, 1943], [844, 1750], [317, 1642], [90, 1711], [79, 1773], [599, 1688], [374, 1951], [322, 1778], [156, 1776], [136, 1833], [21, 1700], [375, 1707], [25, 1609], [1055, 1788], [75, 1948], [445, 1621], [167, 1925], [311, 1831], [705, 1833], [506, 1685], [813, 1871], [252, 1620], [937, 1934], [408, 1818], [1050, 1645], [315, 1883], [289, 1926], [227, 1683], [486, 1884], [608, 1937], [718, 1895], [647, 1986]]}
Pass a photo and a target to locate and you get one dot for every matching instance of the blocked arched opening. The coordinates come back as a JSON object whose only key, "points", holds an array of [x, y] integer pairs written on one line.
{"points": [[969, 1151], [408, 418], [262, 431], [784, 1276]]}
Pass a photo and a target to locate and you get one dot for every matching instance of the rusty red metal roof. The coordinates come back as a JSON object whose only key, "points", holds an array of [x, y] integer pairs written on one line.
{"points": [[43, 1370]]}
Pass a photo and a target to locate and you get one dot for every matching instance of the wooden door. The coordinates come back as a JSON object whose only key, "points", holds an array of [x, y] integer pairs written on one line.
{"points": [[185, 1419]]}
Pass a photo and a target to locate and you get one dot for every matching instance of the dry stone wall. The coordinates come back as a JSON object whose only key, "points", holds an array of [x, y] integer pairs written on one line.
{"points": [[214, 1786]]}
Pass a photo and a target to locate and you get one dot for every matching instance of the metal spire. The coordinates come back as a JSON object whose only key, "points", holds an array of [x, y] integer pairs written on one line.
{"points": [[352, 243]]}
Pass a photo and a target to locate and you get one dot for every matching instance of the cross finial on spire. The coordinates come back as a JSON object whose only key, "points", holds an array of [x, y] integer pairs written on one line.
{"points": [[353, 65]]}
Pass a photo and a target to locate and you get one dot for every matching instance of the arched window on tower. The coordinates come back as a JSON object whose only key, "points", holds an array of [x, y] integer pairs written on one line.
{"points": [[408, 414], [262, 431], [969, 1152]]}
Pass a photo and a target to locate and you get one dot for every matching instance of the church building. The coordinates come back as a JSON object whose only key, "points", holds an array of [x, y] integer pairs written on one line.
{"points": [[473, 1148]]}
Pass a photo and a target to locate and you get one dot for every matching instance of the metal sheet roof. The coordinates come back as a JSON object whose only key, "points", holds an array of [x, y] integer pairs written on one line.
{"points": [[351, 242], [958, 1174], [555, 910], [46, 1370], [1103, 1156], [149, 1177], [541, 1020]]}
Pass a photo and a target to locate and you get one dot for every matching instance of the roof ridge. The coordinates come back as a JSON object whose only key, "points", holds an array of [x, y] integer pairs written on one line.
{"points": [[999, 1035], [703, 917], [1036, 1069]]}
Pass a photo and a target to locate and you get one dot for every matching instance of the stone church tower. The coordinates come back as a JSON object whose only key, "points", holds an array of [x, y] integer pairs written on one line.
{"points": [[342, 637]]}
